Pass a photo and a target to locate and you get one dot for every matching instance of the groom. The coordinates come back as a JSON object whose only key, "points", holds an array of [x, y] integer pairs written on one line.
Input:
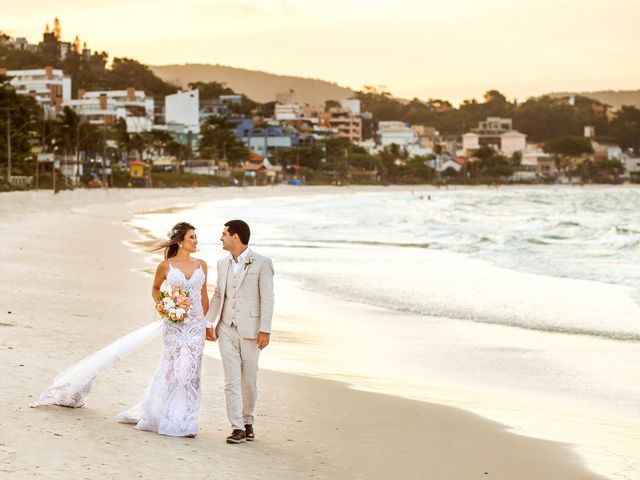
{"points": [[241, 308]]}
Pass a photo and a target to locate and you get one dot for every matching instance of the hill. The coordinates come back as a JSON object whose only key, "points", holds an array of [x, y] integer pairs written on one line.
{"points": [[259, 86], [615, 98]]}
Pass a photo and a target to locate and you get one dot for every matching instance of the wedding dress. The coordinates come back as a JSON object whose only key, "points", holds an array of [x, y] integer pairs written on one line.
{"points": [[171, 403]]}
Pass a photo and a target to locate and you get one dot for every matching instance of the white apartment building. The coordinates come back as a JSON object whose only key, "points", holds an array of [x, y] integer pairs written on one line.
{"points": [[108, 106], [496, 133], [508, 142], [631, 164], [400, 133], [183, 108], [50, 87], [288, 111], [418, 151], [494, 125], [534, 164], [352, 104], [513, 141], [470, 141]]}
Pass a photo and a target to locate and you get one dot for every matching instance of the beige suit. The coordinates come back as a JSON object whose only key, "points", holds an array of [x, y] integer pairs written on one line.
{"points": [[242, 306]]}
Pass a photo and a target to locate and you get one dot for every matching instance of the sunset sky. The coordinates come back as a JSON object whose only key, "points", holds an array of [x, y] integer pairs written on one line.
{"points": [[452, 49]]}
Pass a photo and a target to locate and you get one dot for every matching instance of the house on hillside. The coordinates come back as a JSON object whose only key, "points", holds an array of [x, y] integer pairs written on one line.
{"points": [[494, 132], [394, 132]]}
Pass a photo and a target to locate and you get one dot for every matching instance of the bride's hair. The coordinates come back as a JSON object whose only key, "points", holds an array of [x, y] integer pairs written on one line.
{"points": [[176, 235]]}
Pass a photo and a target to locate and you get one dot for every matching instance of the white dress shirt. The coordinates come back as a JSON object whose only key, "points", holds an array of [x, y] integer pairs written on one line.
{"points": [[241, 258]]}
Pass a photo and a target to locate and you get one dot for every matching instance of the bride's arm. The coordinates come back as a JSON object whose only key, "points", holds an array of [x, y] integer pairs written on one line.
{"points": [[161, 274], [203, 294]]}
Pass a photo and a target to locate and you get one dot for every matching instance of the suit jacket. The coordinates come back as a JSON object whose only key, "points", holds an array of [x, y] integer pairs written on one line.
{"points": [[254, 295]]}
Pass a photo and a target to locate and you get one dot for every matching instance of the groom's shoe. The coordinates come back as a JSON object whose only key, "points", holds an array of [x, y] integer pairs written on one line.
{"points": [[237, 436], [248, 432]]}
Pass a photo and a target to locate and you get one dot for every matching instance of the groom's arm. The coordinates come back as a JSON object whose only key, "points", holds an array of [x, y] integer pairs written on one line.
{"points": [[265, 286], [214, 306]]}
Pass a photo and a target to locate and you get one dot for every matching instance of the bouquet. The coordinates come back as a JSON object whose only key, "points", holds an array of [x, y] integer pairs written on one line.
{"points": [[174, 304]]}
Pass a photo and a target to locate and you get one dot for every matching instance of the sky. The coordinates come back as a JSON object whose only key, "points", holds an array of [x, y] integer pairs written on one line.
{"points": [[453, 49]]}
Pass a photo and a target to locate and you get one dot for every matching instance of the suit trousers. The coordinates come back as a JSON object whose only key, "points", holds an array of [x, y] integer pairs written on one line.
{"points": [[240, 363]]}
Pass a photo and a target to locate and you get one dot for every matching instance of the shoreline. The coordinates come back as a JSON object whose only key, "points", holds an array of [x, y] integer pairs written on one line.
{"points": [[307, 425]]}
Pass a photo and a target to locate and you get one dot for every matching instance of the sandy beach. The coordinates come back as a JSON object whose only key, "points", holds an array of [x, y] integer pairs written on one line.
{"points": [[73, 282]]}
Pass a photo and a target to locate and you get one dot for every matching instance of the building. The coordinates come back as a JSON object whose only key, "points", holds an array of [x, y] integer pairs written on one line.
{"points": [[512, 142], [533, 165], [428, 137], [546, 164], [19, 43], [443, 162], [606, 151], [589, 131], [470, 142], [352, 104], [393, 132], [266, 140], [417, 150], [631, 164], [50, 87], [242, 127], [569, 100], [454, 165], [230, 99], [314, 124], [103, 107], [494, 126], [287, 111], [548, 167], [346, 124], [183, 108], [417, 140], [201, 167], [183, 134], [496, 133], [211, 108]]}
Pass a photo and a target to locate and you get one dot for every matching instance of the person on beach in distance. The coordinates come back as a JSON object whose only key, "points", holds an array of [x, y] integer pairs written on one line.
{"points": [[240, 314], [171, 403]]}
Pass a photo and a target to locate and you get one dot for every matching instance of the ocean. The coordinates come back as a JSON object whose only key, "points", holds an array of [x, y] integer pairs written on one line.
{"points": [[501, 301]]}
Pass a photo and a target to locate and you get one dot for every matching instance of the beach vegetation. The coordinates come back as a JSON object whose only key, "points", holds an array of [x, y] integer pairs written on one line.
{"points": [[568, 152], [218, 142]]}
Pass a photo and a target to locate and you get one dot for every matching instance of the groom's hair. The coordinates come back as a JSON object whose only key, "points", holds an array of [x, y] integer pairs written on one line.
{"points": [[241, 228]]}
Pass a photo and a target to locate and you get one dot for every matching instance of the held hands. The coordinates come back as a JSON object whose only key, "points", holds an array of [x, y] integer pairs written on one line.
{"points": [[211, 335], [263, 339]]}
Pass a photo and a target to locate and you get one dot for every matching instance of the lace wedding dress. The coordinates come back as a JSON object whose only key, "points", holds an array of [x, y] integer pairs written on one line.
{"points": [[171, 403]]}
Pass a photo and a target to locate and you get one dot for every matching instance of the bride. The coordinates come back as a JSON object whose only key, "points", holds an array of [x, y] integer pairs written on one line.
{"points": [[171, 402]]}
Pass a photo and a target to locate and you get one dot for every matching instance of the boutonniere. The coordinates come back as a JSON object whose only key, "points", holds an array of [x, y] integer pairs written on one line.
{"points": [[248, 262]]}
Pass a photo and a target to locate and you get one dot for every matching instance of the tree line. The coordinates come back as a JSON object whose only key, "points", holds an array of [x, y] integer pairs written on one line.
{"points": [[542, 119], [555, 123]]}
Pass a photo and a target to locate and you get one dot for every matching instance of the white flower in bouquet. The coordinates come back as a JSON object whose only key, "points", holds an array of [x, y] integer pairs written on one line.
{"points": [[174, 304], [168, 303]]}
